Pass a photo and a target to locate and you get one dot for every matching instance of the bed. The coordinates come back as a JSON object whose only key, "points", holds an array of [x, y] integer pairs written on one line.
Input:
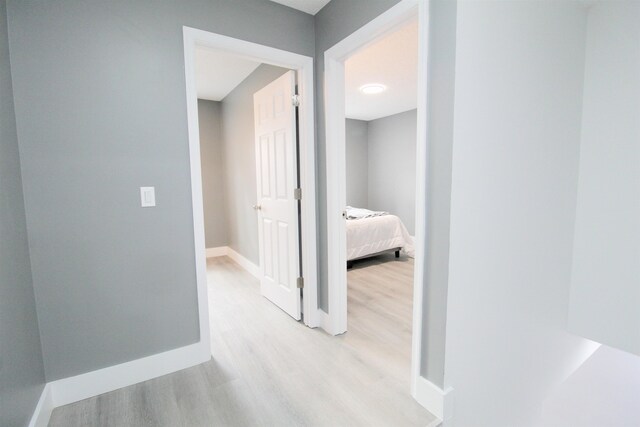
{"points": [[371, 233]]}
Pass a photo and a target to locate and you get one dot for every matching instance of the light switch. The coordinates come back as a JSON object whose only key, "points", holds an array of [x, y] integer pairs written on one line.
{"points": [[147, 197]]}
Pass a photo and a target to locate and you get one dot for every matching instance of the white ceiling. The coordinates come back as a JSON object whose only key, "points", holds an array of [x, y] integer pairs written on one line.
{"points": [[217, 73], [308, 6], [391, 61]]}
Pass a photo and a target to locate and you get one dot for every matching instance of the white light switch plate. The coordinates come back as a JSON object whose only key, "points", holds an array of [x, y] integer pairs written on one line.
{"points": [[147, 197]]}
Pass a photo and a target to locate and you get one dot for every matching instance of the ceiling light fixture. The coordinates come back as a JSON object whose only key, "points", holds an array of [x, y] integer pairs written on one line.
{"points": [[373, 88]]}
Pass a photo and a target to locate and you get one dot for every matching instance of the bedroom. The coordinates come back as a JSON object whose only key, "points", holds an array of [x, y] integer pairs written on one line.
{"points": [[380, 144]]}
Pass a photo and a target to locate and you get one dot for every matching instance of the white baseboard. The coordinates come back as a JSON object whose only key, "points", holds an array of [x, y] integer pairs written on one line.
{"points": [[437, 401], [90, 384], [42, 413], [253, 269], [73, 389], [244, 263], [216, 252]]}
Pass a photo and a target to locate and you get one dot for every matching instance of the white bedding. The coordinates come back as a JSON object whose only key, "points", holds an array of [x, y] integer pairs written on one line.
{"points": [[368, 236], [360, 213]]}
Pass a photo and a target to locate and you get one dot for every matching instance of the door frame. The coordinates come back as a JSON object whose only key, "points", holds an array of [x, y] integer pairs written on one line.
{"points": [[336, 318], [303, 65]]}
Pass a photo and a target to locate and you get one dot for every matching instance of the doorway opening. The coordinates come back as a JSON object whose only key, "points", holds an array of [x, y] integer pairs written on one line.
{"points": [[336, 58], [380, 165], [248, 179]]}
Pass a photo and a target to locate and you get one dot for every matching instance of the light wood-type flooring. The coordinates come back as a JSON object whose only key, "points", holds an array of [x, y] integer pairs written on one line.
{"points": [[269, 370]]}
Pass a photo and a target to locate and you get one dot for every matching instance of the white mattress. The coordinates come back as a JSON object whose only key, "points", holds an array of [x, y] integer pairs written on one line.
{"points": [[368, 236]]}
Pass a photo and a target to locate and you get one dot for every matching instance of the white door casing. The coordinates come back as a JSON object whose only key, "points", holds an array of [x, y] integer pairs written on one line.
{"points": [[304, 68], [438, 401], [277, 206]]}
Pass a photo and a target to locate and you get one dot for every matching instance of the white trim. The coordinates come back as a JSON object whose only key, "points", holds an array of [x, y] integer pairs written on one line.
{"points": [[304, 66], [336, 193], [336, 158], [73, 389], [334, 59], [216, 252], [42, 413], [325, 321], [422, 163], [83, 386], [196, 197], [243, 262], [439, 402], [336, 180]]}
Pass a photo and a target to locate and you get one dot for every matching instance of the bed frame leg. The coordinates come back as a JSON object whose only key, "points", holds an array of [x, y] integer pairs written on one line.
{"points": [[398, 254]]}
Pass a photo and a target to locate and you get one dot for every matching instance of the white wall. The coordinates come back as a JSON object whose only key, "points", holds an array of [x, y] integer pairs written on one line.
{"points": [[605, 295], [518, 90]]}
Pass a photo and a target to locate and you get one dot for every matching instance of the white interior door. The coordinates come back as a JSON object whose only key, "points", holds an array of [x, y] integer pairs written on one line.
{"points": [[277, 206]]}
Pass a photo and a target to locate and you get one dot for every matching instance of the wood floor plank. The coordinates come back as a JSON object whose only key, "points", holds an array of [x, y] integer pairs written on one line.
{"points": [[269, 370]]}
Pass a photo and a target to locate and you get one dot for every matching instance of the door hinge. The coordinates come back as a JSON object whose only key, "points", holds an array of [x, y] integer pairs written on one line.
{"points": [[300, 282], [297, 193], [295, 100]]}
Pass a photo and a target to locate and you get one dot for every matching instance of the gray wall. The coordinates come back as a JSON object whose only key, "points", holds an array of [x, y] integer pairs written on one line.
{"points": [[392, 166], [357, 161], [21, 368], [213, 173], [333, 23], [240, 161], [100, 109]]}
